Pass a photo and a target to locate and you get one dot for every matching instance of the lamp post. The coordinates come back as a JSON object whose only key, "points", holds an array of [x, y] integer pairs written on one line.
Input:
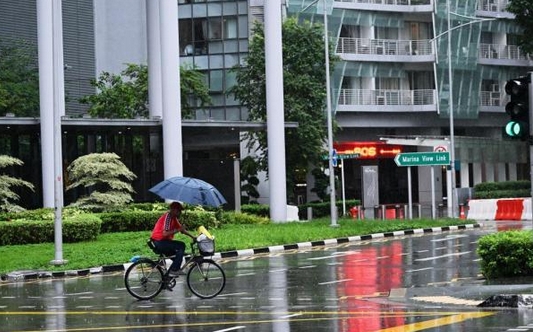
{"points": [[452, 135], [452, 206], [333, 207]]}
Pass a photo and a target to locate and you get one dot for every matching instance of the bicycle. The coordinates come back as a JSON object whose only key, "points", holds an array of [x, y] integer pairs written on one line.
{"points": [[147, 277]]}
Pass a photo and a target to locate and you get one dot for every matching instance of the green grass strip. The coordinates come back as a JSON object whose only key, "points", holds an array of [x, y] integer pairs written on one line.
{"points": [[118, 248]]}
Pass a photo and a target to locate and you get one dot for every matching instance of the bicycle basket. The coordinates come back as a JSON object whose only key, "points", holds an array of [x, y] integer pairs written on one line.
{"points": [[206, 247]]}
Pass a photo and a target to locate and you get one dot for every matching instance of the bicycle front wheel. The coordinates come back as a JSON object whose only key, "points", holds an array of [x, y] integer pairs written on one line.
{"points": [[144, 279], [206, 279]]}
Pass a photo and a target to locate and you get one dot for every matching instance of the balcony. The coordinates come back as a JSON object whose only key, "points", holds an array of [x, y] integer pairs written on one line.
{"points": [[493, 8], [506, 55], [492, 101], [362, 100], [389, 50], [407, 6]]}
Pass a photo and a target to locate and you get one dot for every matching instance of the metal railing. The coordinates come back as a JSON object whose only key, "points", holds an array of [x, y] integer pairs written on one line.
{"points": [[350, 45], [493, 5], [504, 52], [391, 2], [386, 97]]}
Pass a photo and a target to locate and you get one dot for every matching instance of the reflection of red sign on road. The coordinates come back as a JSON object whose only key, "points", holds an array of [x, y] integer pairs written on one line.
{"points": [[373, 270]]}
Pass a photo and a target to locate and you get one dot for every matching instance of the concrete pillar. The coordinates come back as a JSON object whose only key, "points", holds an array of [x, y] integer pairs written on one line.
{"points": [[512, 172], [46, 96], [501, 174], [154, 59], [275, 111], [465, 175], [489, 172], [172, 138], [478, 173]]}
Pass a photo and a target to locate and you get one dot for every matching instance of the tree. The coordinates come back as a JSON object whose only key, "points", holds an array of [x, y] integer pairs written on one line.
{"points": [[106, 179], [125, 96], [7, 196], [19, 79], [523, 11], [304, 92]]}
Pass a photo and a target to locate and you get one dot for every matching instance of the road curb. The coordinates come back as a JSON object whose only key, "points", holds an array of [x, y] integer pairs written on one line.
{"points": [[32, 274]]}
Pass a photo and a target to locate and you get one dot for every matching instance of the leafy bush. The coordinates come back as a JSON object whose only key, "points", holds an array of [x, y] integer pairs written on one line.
{"points": [[128, 221], [80, 228], [506, 254], [506, 189], [262, 210], [240, 218]]}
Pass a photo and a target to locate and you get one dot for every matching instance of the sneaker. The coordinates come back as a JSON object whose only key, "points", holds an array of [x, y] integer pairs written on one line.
{"points": [[167, 287]]}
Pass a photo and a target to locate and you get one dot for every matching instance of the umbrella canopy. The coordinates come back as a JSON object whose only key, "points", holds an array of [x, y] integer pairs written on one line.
{"points": [[189, 190]]}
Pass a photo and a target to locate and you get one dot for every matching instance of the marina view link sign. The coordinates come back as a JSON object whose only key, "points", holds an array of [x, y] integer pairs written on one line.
{"points": [[422, 158]]}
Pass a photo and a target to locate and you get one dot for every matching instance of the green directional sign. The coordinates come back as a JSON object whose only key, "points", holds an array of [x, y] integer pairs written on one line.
{"points": [[422, 158], [344, 156]]}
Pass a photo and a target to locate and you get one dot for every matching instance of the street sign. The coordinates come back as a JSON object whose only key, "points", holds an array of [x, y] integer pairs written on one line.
{"points": [[422, 158], [344, 156]]}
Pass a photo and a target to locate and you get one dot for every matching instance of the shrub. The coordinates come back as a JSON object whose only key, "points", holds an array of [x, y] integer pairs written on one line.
{"points": [[506, 254], [128, 221], [240, 218], [80, 228], [506, 189]]}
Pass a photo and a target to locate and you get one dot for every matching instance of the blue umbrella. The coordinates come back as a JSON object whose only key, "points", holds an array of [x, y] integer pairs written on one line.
{"points": [[189, 190]]}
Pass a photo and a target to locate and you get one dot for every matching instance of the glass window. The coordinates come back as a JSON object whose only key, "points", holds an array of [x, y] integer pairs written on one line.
{"points": [[231, 46], [231, 60], [233, 113], [218, 114], [199, 10], [216, 61], [215, 47], [214, 9], [243, 27], [216, 80], [215, 28], [230, 28], [230, 8]]}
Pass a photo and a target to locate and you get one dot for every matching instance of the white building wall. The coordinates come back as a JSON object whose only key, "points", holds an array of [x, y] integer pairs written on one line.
{"points": [[120, 34]]}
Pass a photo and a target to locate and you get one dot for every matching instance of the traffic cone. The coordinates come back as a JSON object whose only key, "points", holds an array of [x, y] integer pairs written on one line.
{"points": [[462, 212]]}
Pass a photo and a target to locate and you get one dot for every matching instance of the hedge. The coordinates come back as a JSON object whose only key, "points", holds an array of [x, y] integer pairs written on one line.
{"points": [[83, 227], [506, 189], [506, 254]]}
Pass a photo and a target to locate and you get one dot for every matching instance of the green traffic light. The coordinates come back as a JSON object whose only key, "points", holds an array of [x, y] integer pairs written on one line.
{"points": [[515, 129]]}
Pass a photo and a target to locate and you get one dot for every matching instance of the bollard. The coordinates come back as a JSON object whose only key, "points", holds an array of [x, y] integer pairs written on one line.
{"points": [[354, 212]]}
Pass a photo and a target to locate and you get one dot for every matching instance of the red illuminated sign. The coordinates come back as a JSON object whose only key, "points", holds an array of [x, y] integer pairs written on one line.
{"points": [[368, 150]]}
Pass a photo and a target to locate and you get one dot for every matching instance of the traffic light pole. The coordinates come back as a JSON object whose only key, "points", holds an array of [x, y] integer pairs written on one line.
{"points": [[530, 139]]}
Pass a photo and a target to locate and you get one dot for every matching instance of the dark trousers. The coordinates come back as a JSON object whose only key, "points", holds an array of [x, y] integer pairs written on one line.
{"points": [[169, 248]]}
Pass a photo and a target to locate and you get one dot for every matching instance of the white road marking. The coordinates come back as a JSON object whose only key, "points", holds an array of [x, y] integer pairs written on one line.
{"points": [[334, 282], [442, 256]]}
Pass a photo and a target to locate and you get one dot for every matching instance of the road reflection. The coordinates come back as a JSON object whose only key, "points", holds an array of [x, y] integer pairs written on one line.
{"points": [[342, 288]]}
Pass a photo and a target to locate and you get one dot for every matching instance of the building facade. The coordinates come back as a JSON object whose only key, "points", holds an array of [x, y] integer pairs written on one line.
{"points": [[391, 85]]}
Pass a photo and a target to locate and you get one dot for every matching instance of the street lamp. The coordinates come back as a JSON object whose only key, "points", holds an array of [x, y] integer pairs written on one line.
{"points": [[333, 207], [452, 206]]}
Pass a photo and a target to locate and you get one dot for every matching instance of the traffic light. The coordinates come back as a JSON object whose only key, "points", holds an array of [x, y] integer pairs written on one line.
{"points": [[518, 108]]}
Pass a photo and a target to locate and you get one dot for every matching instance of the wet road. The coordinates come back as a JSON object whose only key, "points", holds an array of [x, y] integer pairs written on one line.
{"points": [[409, 283]]}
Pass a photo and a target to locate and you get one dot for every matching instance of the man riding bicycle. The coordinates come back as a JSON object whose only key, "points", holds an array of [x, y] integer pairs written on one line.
{"points": [[163, 236]]}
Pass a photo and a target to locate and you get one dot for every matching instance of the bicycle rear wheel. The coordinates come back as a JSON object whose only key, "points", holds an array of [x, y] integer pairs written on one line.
{"points": [[206, 279], [144, 279]]}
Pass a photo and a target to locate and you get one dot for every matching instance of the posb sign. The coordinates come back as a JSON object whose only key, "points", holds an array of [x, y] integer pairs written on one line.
{"points": [[368, 150]]}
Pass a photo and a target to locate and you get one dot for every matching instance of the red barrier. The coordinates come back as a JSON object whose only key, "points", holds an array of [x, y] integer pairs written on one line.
{"points": [[509, 209]]}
